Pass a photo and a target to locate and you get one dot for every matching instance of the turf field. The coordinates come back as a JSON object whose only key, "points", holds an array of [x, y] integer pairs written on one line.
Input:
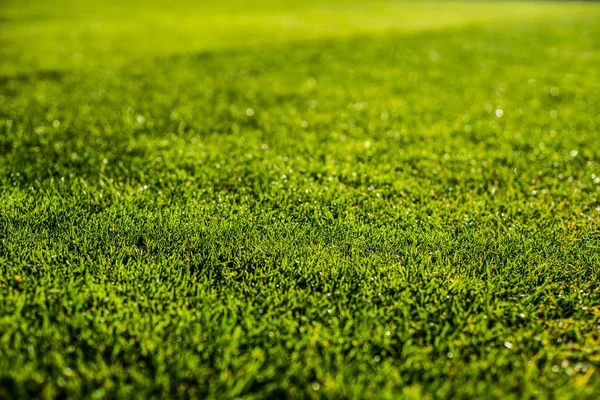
{"points": [[322, 199]]}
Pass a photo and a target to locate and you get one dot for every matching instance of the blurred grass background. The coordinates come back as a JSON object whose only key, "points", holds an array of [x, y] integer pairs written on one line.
{"points": [[64, 34]]}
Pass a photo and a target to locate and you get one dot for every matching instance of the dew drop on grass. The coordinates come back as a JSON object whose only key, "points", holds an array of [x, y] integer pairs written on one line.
{"points": [[499, 113]]}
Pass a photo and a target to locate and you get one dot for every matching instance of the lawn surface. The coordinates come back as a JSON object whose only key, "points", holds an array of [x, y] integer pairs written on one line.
{"points": [[326, 200]]}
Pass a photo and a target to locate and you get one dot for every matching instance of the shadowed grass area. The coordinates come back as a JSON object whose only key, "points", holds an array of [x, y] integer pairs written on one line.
{"points": [[380, 209]]}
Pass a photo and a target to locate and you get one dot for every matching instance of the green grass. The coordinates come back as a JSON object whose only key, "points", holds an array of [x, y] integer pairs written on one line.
{"points": [[332, 200]]}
